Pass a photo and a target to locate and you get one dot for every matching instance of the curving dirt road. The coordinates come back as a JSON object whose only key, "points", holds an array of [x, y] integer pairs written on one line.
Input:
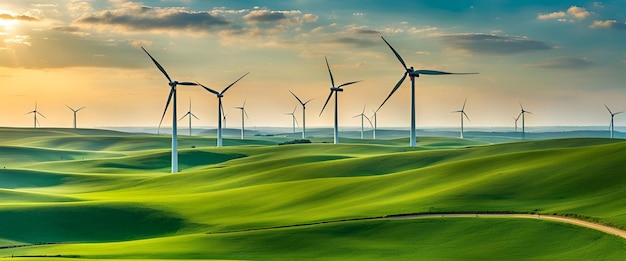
{"points": [[573, 221]]}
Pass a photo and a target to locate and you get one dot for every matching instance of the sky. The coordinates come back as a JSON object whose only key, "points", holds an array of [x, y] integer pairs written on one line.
{"points": [[561, 59]]}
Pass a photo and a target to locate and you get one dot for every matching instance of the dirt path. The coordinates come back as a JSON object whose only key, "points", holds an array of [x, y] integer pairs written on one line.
{"points": [[573, 221]]}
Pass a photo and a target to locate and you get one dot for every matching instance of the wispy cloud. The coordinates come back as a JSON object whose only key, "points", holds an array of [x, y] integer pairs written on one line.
{"points": [[18, 17], [553, 15], [613, 24], [493, 44], [573, 12], [565, 63]]}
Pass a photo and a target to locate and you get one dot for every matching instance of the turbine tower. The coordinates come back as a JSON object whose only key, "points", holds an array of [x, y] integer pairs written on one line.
{"points": [[411, 73], [612, 126], [243, 112], [74, 111], [522, 112], [220, 108], [303, 113], [462, 112], [336, 91], [171, 97], [374, 125], [294, 122], [363, 117], [516, 118], [35, 112], [189, 114]]}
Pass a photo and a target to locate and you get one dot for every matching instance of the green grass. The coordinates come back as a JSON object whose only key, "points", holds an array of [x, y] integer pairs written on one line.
{"points": [[116, 187]]}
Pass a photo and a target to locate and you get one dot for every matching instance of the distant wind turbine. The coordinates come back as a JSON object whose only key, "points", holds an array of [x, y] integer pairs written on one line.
{"points": [[243, 112], [74, 111], [612, 126], [362, 115], [411, 73], [294, 122], [189, 114], [336, 91], [516, 118], [171, 97], [303, 113], [220, 108], [462, 112], [522, 112], [35, 112]]}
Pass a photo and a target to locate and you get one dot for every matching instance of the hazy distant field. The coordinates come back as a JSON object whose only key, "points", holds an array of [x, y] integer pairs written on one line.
{"points": [[106, 194]]}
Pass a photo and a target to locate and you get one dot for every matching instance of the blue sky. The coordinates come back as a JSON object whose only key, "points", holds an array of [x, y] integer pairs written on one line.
{"points": [[562, 59]]}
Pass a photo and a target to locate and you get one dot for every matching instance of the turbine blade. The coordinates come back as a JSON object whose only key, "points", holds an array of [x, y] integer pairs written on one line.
{"points": [[294, 109], [396, 53], [167, 104], [433, 72], [393, 90], [209, 89], [294, 95], [40, 114], [348, 83], [181, 118], [81, 108], [326, 103], [70, 108], [332, 81], [244, 104], [296, 120], [307, 101], [357, 115], [158, 65], [607, 107], [187, 83], [194, 116], [521, 106], [618, 113], [466, 116], [226, 89], [463, 108], [36, 120], [245, 112], [368, 119]]}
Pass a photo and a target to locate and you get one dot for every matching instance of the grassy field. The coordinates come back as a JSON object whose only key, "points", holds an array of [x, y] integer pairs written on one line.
{"points": [[106, 194]]}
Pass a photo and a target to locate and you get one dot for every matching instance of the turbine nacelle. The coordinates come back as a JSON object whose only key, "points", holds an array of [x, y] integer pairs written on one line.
{"points": [[336, 89]]}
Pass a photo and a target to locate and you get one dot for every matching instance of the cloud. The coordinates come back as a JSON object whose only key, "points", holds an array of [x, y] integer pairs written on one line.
{"points": [[357, 42], [361, 30], [572, 12], [553, 15], [282, 17], [565, 63], [67, 29], [18, 17], [578, 12], [142, 19], [493, 44], [613, 24]]}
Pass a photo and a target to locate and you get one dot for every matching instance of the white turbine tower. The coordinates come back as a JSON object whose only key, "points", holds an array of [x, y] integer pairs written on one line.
{"points": [[522, 113], [411, 73], [74, 111], [363, 117], [189, 114], [612, 126], [171, 97], [375, 117], [303, 113], [462, 112], [243, 112], [294, 122], [336, 91], [220, 108], [516, 118], [35, 112]]}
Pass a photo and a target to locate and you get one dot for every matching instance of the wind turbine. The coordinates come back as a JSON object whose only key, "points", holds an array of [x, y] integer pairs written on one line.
{"points": [[612, 126], [243, 112], [522, 112], [334, 90], [35, 112], [220, 108], [294, 122], [411, 73], [516, 118], [462, 112], [189, 114], [171, 97], [362, 115], [224, 119], [303, 113], [75, 111]]}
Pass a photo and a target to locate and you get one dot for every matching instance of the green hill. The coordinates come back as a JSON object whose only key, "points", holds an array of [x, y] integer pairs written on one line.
{"points": [[120, 201]]}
